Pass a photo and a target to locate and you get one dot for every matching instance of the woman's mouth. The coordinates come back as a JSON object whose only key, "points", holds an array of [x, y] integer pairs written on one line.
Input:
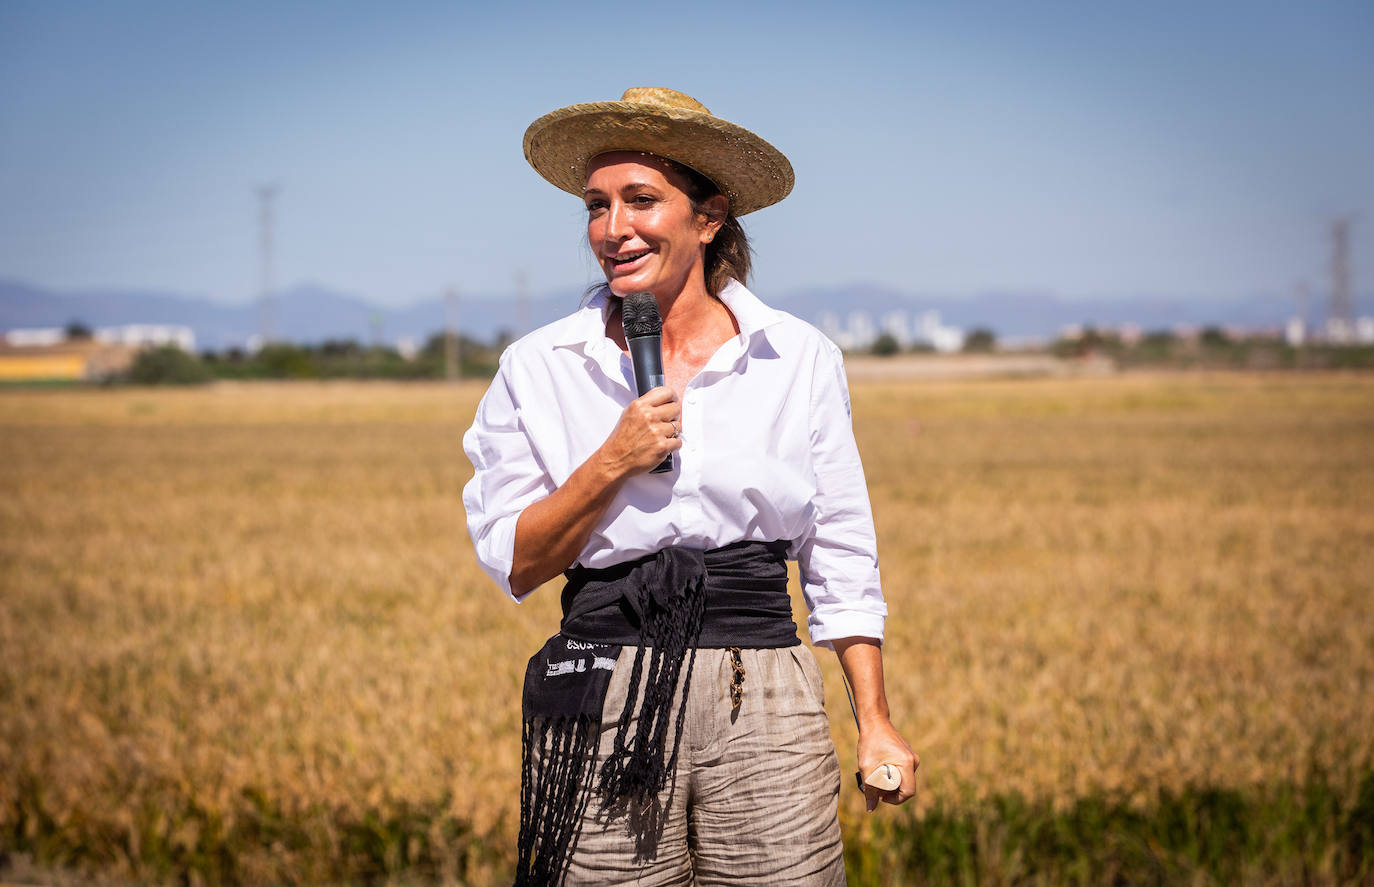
{"points": [[626, 261]]}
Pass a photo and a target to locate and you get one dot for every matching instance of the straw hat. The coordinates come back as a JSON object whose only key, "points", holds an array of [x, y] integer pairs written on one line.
{"points": [[748, 170]]}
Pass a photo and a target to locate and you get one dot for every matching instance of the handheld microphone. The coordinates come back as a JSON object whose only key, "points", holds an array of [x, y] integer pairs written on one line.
{"points": [[644, 335]]}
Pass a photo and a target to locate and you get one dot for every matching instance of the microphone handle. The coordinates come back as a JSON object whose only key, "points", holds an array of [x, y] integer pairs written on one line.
{"points": [[646, 353]]}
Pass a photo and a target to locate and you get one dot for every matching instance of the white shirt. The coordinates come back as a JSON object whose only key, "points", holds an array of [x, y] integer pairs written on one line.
{"points": [[768, 453]]}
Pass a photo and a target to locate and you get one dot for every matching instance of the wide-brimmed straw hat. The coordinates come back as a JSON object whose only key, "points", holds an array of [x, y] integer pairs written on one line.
{"points": [[749, 171]]}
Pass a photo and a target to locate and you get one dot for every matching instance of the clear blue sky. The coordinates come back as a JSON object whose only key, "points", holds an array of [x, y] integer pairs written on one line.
{"points": [[1085, 148]]}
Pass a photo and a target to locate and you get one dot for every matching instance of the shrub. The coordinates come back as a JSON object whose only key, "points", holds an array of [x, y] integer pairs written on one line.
{"points": [[981, 340], [282, 361], [167, 365], [886, 345]]}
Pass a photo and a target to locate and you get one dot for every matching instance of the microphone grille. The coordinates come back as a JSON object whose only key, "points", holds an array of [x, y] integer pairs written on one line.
{"points": [[639, 314]]}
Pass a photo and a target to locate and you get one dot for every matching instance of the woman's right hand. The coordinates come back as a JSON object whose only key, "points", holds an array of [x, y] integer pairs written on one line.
{"points": [[550, 532], [646, 433]]}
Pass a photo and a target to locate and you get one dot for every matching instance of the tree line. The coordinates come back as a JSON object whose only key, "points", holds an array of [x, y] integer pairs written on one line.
{"points": [[331, 359], [1211, 348]]}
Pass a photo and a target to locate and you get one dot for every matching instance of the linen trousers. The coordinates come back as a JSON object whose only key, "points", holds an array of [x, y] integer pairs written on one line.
{"points": [[754, 798]]}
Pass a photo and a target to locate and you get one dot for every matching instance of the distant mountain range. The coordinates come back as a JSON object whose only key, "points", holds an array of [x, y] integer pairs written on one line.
{"points": [[311, 313]]}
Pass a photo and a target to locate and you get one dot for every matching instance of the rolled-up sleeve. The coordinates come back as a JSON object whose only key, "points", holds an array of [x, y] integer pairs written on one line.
{"points": [[507, 477], [838, 559]]}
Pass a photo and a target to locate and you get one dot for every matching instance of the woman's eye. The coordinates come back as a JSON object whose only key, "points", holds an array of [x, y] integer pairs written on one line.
{"points": [[643, 199], [594, 206]]}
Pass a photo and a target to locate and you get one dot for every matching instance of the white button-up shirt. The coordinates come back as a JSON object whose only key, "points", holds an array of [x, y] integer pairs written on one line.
{"points": [[768, 453]]}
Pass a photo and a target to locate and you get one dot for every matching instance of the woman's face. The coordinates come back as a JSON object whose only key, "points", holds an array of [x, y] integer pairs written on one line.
{"points": [[641, 226]]}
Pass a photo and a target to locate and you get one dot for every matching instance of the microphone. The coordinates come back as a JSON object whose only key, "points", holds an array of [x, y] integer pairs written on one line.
{"points": [[644, 335]]}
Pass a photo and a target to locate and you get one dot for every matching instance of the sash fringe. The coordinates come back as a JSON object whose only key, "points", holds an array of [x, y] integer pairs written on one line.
{"points": [[553, 795], [639, 768]]}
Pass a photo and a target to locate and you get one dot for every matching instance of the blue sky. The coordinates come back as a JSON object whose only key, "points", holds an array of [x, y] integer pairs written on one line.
{"points": [[1084, 149]]}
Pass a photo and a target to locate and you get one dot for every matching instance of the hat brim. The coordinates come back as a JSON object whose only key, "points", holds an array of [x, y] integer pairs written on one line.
{"points": [[749, 171]]}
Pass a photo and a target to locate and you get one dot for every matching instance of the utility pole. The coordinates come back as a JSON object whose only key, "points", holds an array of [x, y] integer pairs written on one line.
{"points": [[266, 325], [522, 302], [452, 357], [1340, 319], [1295, 331]]}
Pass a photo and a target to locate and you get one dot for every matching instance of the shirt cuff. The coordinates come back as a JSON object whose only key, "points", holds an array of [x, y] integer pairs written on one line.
{"points": [[496, 554], [826, 627]]}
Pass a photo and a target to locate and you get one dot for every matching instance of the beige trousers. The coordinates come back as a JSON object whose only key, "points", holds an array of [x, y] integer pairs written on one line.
{"points": [[755, 795]]}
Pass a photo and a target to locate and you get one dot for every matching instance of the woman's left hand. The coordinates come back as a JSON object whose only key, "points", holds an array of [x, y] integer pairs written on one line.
{"points": [[879, 744]]}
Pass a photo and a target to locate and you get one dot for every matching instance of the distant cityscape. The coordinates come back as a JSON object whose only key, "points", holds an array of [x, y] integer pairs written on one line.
{"points": [[909, 330]]}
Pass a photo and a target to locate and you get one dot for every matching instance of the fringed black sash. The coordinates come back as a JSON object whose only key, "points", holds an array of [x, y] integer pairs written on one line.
{"points": [[565, 683], [667, 605]]}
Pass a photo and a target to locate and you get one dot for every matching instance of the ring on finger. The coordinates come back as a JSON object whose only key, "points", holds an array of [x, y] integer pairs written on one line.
{"points": [[677, 429]]}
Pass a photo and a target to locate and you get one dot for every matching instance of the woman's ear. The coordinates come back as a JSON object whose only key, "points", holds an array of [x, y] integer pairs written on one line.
{"points": [[715, 210]]}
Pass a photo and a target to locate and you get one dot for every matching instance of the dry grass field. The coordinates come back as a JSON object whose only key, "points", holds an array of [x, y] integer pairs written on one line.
{"points": [[243, 637]]}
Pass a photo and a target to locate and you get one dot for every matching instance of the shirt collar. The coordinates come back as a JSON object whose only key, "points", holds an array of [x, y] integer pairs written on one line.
{"points": [[589, 324], [751, 314]]}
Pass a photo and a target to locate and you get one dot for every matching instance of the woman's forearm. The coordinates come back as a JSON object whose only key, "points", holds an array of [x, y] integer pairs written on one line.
{"points": [[862, 661], [550, 533]]}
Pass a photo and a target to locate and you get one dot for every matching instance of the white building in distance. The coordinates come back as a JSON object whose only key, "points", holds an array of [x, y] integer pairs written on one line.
{"points": [[133, 335], [860, 331], [138, 335]]}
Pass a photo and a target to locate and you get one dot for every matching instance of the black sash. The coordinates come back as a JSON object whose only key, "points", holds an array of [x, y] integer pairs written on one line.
{"points": [[745, 587], [667, 605]]}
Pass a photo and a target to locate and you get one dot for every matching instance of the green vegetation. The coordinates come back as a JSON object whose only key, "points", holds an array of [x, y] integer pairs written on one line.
{"points": [[980, 340], [1304, 833], [885, 345], [347, 359], [167, 365], [332, 359], [1211, 348], [76, 330], [192, 842]]}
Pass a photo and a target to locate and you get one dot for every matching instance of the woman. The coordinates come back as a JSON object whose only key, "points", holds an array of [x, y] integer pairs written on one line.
{"points": [[674, 728]]}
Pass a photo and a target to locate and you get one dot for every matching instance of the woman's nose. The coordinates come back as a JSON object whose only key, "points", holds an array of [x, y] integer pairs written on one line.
{"points": [[617, 222]]}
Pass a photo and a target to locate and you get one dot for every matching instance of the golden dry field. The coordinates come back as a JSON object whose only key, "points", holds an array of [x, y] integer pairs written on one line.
{"points": [[243, 636]]}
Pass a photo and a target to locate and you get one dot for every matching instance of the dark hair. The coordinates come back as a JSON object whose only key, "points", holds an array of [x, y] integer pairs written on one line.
{"points": [[728, 254]]}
